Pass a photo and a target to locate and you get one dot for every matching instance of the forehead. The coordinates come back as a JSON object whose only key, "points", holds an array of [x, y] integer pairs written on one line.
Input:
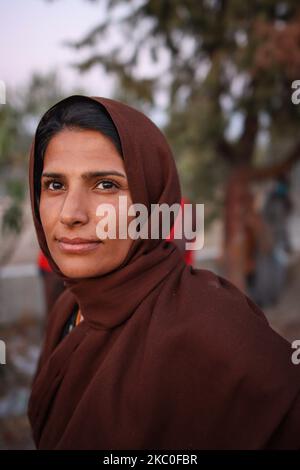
{"points": [[73, 149]]}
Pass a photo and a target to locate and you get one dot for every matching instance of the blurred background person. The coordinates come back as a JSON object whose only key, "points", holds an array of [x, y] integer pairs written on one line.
{"points": [[272, 261]]}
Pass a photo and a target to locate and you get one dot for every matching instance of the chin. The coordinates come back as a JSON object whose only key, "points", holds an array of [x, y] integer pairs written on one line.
{"points": [[75, 268], [73, 274], [82, 268], [87, 265]]}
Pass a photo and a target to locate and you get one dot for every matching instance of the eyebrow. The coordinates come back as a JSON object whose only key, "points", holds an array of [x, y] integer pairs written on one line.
{"points": [[86, 176]]}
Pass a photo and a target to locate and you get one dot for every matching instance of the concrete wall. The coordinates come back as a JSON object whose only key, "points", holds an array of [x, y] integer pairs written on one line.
{"points": [[21, 293]]}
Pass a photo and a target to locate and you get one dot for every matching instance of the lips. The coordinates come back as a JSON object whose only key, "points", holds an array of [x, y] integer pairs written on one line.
{"points": [[77, 245]]}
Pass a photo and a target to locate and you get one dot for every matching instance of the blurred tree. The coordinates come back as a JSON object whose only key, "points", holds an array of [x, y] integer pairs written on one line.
{"points": [[18, 119], [225, 69]]}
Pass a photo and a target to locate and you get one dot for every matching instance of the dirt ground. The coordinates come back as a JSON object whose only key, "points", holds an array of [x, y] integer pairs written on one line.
{"points": [[23, 341]]}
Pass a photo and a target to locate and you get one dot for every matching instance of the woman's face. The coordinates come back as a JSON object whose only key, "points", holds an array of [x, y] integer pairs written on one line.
{"points": [[82, 169]]}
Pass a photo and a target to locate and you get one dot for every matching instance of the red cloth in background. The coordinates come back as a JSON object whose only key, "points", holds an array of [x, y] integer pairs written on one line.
{"points": [[43, 262]]}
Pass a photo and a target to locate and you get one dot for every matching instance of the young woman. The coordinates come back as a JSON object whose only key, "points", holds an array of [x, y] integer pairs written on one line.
{"points": [[142, 351]]}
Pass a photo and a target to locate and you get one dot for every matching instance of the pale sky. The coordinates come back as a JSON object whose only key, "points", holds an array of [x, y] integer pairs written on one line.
{"points": [[31, 36], [32, 33]]}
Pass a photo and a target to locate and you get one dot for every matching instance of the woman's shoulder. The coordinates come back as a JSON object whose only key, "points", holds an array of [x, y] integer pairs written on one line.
{"points": [[212, 294], [217, 329], [216, 353], [213, 316]]}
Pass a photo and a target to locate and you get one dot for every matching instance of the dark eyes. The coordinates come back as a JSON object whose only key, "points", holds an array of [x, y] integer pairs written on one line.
{"points": [[52, 185], [107, 184], [57, 185]]}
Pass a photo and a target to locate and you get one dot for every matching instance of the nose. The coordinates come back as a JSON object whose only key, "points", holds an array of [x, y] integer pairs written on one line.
{"points": [[74, 210]]}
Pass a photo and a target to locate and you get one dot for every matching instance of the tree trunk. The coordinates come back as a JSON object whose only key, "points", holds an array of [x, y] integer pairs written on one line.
{"points": [[236, 207]]}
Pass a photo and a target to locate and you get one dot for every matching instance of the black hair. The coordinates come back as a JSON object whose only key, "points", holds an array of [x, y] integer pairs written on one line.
{"points": [[76, 111]]}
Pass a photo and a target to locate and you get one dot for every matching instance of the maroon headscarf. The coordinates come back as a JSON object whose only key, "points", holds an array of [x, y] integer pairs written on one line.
{"points": [[167, 357]]}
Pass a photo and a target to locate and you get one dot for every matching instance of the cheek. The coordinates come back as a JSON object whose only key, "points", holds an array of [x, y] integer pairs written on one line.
{"points": [[49, 212]]}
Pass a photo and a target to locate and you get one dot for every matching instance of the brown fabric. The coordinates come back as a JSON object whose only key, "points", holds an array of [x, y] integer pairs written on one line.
{"points": [[167, 357], [53, 287]]}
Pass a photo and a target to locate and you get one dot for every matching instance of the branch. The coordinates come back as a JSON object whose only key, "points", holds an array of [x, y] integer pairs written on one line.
{"points": [[245, 174], [276, 170]]}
